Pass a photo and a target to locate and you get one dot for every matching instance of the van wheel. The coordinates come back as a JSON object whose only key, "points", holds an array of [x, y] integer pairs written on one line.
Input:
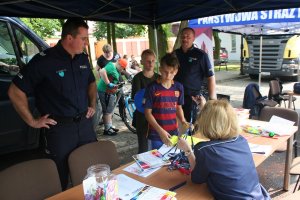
{"points": [[253, 76]]}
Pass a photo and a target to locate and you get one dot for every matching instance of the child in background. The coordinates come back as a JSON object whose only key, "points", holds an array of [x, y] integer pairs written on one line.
{"points": [[225, 162], [107, 88], [140, 81], [164, 98]]}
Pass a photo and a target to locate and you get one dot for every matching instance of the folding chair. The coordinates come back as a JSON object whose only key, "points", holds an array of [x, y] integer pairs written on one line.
{"points": [[100, 152], [30, 180], [275, 93]]}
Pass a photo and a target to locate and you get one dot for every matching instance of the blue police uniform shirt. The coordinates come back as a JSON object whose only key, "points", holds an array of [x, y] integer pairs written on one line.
{"points": [[228, 168], [194, 67], [58, 82]]}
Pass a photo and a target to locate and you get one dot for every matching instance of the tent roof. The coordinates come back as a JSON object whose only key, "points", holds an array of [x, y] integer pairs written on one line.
{"points": [[136, 11]]}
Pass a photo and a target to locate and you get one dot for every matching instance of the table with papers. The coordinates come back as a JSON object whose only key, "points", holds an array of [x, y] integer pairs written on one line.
{"points": [[164, 179]]}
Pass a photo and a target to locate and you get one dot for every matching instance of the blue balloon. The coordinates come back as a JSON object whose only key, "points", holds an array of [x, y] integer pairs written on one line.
{"points": [[138, 100]]}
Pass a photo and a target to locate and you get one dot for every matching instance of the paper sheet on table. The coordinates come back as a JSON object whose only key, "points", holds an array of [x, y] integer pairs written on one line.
{"points": [[132, 189], [150, 159], [128, 187], [165, 150], [279, 125], [260, 149], [135, 169]]}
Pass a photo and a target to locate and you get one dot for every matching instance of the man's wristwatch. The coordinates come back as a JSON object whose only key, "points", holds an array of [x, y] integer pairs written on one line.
{"points": [[188, 153]]}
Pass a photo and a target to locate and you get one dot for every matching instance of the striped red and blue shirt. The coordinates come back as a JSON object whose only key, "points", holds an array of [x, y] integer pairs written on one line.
{"points": [[163, 103]]}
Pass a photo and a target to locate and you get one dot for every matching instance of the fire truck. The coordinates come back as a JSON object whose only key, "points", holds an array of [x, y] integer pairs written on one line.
{"points": [[279, 58]]}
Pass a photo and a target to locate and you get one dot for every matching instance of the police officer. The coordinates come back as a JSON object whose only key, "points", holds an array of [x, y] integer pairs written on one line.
{"points": [[194, 68], [62, 82]]}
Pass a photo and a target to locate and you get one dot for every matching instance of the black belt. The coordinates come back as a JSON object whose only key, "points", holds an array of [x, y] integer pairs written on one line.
{"points": [[63, 120]]}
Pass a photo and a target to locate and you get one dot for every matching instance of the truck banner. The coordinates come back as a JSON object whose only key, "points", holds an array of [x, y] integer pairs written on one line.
{"points": [[256, 17]]}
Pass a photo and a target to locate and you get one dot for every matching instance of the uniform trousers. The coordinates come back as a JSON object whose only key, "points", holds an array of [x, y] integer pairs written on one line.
{"points": [[63, 138]]}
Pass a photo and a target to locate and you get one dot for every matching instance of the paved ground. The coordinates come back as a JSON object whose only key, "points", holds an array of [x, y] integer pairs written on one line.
{"points": [[229, 83]]}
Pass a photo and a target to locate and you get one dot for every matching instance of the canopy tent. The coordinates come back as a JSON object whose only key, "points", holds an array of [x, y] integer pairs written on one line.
{"points": [[280, 21], [136, 11], [152, 12]]}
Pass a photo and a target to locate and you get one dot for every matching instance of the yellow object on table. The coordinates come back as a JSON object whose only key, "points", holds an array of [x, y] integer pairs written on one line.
{"points": [[174, 139]]}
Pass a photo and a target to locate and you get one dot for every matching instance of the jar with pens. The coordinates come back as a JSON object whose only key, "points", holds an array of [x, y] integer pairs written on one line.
{"points": [[100, 183]]}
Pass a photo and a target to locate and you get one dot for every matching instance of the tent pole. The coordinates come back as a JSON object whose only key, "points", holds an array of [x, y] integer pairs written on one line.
{"points": [[156, 44], [242, 56], [260, 58]]}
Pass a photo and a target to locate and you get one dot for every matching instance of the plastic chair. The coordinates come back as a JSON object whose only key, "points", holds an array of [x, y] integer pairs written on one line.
{"points": [[30, 180], [267, 112], [275, 93], [100, 152]]}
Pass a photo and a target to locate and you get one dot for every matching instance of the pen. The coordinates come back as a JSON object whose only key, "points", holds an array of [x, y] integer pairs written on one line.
{"points": [[177, 186], [258, 152]]}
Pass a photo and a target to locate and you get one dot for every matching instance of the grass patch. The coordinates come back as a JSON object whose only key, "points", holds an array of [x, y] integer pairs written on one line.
{"points": [[230, 67]]}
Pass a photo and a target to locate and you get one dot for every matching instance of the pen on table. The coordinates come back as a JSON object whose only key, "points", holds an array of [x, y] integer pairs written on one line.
{"points": [[177, 186], [258, 152]]}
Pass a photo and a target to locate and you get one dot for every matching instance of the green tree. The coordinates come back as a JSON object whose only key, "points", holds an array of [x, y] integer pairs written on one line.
{"points": [[45, 28], [217, 47], [162, 39], [177, 44], [121, 30]]}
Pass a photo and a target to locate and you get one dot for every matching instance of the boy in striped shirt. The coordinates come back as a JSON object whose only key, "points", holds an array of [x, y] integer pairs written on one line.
{"points": [[163, 103]]}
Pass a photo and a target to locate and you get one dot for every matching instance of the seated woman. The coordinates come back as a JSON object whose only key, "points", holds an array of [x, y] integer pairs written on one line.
{"points": [[225, 162]]}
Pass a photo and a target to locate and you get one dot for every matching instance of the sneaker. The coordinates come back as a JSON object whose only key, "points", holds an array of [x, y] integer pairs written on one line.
{"points": [[110, 132], [114, 129]]}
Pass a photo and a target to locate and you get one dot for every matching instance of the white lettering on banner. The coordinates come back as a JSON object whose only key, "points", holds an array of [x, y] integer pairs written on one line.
{"points": [[292, 15], [246, 16], [229, 18], [277, 14], [263, 15], [222, 18], [254, 16], [270, 16], [237, 17]]}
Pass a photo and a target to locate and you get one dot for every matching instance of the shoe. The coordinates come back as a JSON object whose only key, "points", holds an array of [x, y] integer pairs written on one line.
{"points": [[110, 132], [114, 129]]}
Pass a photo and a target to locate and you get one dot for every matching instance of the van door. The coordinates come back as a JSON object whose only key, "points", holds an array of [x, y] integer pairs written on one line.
{"points": [[16, 49]]}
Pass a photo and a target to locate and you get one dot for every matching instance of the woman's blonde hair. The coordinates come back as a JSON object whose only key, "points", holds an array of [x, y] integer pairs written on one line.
{"points": [[218, 120]]}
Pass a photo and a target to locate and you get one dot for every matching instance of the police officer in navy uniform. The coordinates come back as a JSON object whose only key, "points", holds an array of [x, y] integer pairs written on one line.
{"points": [[194, 68], [63, 84]]}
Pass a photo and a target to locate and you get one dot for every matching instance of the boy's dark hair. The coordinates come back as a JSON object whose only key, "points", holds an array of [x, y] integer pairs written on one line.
{"points": [[170, 59], [70, 27], [188, 28]]}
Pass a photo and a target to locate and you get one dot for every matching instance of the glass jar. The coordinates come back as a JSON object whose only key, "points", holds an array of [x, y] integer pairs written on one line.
{"points": [[100, 183]]}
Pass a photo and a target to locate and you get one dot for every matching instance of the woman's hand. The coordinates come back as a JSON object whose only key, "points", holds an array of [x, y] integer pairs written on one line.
{"points": [[184, 145]]}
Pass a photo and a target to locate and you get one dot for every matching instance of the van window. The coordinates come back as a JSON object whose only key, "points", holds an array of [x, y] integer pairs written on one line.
{"points": [[8, 61], [27, 47]]}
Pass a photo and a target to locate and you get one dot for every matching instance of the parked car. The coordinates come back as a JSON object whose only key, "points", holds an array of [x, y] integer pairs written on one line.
{"points": [[223, 56], [18, 44]]}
